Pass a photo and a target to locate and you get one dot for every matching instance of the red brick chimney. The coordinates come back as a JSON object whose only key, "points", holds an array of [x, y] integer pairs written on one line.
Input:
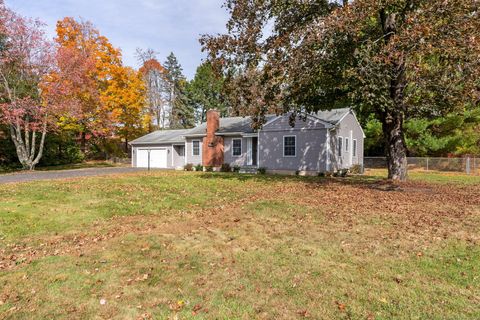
{"points": [[212, 145]]}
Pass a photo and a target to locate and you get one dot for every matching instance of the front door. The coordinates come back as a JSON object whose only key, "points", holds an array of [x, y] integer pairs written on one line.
{"points": [[254, 150]]}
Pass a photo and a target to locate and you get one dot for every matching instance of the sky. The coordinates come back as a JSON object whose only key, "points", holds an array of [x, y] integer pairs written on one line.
{"points": [[163, 25]]}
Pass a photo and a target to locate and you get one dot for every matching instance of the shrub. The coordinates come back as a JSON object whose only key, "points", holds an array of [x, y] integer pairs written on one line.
{"points": [[262, 170], [341, 173], [198, 167], [297, 172], [208, 168], [236, 168], [356, 169], [188, 167], [226, 167], [321, 174]]}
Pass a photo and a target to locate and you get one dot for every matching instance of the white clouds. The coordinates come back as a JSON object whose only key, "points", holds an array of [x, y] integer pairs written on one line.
{"points": [[163, 25]]}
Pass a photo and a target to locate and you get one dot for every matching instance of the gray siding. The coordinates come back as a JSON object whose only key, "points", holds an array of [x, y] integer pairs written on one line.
{"points": [[228, 152], [178, 160], [189, 152], [350, 129], [310, 151]]}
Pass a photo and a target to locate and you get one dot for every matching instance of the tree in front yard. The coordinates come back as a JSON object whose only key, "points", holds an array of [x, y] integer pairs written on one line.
{"points": [[395, 59], [25, 59]]}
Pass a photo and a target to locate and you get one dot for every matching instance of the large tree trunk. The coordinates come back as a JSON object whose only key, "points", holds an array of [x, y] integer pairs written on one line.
{"points": [[83, 142], [396, 150], [25, 147]]}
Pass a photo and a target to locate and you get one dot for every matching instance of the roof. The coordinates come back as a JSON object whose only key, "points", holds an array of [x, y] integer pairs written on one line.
{"points": [[333, 116], [229, 125], [162, 136]]}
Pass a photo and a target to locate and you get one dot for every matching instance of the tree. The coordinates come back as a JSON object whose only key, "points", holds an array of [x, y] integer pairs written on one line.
{"points": [[393, 58], [205, 92], [126, 97], [155, 78], [182, 115], [86, 61], [25, 59]]}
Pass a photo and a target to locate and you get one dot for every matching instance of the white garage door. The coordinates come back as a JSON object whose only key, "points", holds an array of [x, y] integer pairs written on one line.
{"points": [[158, 158]]}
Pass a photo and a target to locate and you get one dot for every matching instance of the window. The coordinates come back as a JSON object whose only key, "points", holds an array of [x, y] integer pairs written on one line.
{"points": [[346, 144], [289, 146], [340, 146], [181, 151], [237, 147], [196, 148], [354, 147]]}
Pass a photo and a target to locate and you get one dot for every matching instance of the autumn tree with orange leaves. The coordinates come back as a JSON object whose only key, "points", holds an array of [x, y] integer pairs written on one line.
{"points": [[99, 89], [126, 98]]}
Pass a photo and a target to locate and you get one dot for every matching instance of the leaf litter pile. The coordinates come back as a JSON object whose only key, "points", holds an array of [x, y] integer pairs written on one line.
{"points": [[289, 248]]}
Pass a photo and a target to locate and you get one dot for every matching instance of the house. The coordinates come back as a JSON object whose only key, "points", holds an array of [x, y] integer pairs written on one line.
{"points": [[322, 142]]}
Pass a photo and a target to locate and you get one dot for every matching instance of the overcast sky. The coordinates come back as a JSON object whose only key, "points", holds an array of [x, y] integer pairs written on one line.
{"points": [[163, 25]]}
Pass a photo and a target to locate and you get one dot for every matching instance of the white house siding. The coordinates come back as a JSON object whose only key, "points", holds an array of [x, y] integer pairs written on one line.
{"points": [[153, 146], [311, 136], [348, 128], [228, 152], [189, 151]]}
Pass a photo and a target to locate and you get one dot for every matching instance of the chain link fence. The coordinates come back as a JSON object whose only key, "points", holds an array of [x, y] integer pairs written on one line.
{"points": [[467, 165]]}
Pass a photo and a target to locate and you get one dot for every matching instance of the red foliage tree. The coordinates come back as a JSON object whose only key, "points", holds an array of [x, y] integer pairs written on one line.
{"points": [[25, 59]]}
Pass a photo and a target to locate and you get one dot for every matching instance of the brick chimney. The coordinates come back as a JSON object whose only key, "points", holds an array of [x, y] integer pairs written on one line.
{"points": [[212, 145]]}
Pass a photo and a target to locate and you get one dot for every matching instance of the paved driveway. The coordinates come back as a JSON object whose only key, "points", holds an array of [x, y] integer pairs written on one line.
{"points": [[62, 174]]}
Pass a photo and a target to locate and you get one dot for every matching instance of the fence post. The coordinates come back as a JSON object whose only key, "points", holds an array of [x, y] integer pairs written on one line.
{"points": [[427, 163], [468, 165]]}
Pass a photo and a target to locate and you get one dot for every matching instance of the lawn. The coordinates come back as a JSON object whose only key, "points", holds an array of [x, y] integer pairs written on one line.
{"points": [[183, 245]]}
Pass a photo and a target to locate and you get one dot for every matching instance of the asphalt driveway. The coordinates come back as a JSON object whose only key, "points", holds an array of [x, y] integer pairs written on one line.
{"points": [[63, 174]]}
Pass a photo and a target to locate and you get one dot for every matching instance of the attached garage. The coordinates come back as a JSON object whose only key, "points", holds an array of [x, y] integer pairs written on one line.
{"points": [[163, 149], [152, 158]]}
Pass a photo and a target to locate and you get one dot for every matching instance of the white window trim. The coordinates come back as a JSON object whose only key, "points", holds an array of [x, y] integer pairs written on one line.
{"points": [[199, 149], [354, 148], [241, 147], [283, 140], [339, 148]]}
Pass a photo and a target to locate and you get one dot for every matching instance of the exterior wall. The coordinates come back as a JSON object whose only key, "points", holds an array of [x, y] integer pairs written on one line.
{"points": [[311, 148], [228, 152], [190, 158], [348, 128], [152, 146], [178, 160]]}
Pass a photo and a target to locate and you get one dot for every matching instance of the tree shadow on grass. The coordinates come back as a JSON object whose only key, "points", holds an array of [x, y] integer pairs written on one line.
{"points": [[353, 180]]}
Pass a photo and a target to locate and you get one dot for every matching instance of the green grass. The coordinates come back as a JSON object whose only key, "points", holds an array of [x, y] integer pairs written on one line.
{"points": [[223, 246]]}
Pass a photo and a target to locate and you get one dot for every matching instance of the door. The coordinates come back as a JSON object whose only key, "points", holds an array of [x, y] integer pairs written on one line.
{"points": [[254, 151], [142, 158], [156, 157]]}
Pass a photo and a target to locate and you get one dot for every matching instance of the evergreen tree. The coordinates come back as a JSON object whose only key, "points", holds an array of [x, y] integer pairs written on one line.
{"points": [[182, 115], [205, 92]]}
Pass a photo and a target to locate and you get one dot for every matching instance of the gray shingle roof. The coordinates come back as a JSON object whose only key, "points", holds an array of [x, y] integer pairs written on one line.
{"points": [[332, 116], [227, 125], [162, 136]]}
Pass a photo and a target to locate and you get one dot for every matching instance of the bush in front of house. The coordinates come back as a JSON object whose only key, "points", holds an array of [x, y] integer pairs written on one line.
{"points": [[236, 168], [262, 170], [198, 167], [188, 167], [226, 168], [208, 169], [342, 173], [356, 169]]}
